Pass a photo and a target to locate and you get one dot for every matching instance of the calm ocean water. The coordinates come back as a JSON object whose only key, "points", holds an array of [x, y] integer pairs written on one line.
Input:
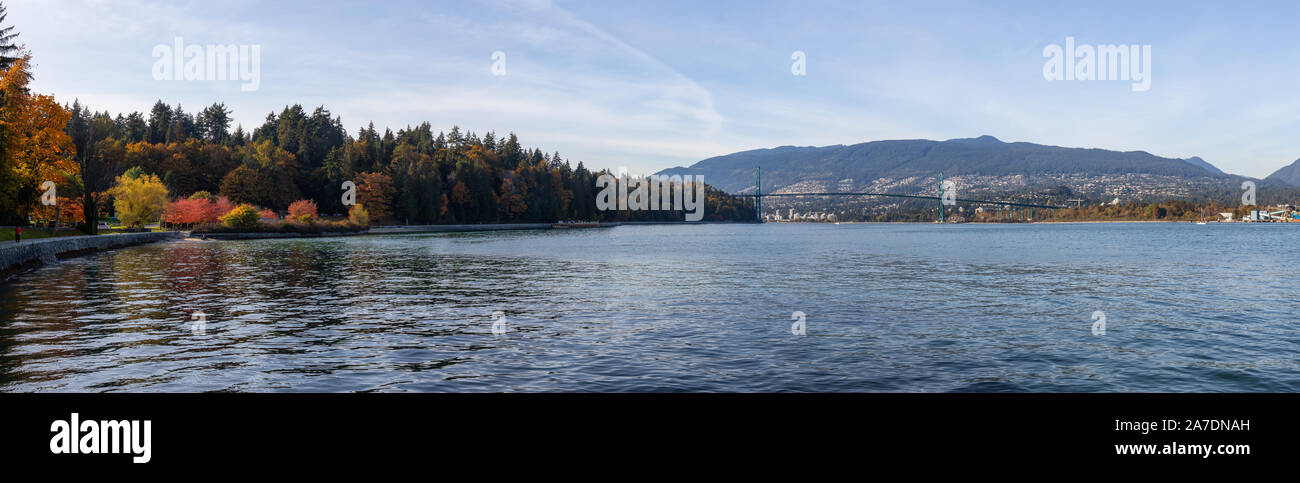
{"points": [[907, 307]]}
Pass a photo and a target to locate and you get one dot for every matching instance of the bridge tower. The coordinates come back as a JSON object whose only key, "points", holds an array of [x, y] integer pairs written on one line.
{"points": [[940, 220], [758, 192]]}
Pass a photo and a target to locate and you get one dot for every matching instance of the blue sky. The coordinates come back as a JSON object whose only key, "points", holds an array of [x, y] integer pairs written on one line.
{"points": [[656, 84]]}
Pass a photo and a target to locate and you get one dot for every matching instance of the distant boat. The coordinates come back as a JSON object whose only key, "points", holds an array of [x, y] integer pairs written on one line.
{"points": [[1200, 223]]}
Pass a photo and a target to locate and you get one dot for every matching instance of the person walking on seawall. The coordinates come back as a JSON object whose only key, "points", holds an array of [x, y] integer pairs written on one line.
{"points": [[18, 234]]}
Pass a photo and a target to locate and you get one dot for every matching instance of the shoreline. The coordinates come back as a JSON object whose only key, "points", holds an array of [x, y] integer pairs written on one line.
{"points": [[19, 258], [460, 228], [16, 259], [1024, 222]]}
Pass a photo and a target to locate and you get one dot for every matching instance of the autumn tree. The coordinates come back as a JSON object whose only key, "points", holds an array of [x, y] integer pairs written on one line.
{"points": [[375, 192], [138, 198], [415, 174], [357, 214], [245, 185], [220, 206], [33, 144], [512, 198], [303, 211], [242, 216], [188, 211], [70, 210]]}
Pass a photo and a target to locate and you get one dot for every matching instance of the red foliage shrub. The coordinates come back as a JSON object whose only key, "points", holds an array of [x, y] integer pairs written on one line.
{"points": [[219, 208], [188, 212], [303, 211]]}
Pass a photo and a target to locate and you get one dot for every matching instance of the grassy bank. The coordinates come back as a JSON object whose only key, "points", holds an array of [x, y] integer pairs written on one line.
{"points": [[29, 233]]}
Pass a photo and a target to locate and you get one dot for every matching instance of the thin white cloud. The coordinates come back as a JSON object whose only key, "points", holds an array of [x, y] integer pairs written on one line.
{"points": [[659, 88]]}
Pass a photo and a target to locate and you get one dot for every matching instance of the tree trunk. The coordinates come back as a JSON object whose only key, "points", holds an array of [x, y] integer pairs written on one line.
{"points": [[90, 212]]}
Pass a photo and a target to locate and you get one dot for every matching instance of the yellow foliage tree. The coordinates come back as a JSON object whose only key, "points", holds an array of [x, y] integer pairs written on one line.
{"points": [[138, 198], [358, 215], [243, 216]]}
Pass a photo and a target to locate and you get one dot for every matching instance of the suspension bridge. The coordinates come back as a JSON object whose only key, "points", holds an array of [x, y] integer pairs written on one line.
{"points": [[942, 200]]}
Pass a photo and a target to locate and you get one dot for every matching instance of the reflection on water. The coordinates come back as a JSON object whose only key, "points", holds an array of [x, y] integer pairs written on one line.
{"points": [[671, 308]]}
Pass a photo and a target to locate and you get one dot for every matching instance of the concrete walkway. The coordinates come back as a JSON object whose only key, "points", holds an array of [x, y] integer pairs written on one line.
{"points": [[16, 258]]}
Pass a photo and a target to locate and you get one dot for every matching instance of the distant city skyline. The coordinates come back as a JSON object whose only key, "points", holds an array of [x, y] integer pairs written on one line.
{"points": [[652, 85]]}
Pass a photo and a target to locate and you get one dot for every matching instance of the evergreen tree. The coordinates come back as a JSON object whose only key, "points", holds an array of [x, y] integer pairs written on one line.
{"points": [[213, 123], [160, 121], [135, 129], [9, 52]]}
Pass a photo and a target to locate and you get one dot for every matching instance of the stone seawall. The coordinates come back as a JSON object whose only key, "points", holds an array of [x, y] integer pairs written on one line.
{"points": [[16, 258], [268, 236], [380, 230], [400, 229], [384, 230]]}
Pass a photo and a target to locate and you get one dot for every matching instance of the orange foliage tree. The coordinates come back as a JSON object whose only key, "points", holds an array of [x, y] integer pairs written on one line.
{"points": [[33, 145], [375, 192]]}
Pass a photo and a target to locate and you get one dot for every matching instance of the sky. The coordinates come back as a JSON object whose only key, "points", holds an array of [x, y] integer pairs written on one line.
{"points": [[649, 85]]}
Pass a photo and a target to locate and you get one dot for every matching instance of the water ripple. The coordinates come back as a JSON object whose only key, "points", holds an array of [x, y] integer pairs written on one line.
{"points": [[918, 308]]}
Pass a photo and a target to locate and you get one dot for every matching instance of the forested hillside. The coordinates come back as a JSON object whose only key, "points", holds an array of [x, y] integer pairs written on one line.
{"points": [[984, 156]]}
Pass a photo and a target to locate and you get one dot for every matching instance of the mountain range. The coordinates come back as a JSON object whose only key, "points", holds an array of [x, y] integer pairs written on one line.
{"points": [[983, 163], [1288, 174]]}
